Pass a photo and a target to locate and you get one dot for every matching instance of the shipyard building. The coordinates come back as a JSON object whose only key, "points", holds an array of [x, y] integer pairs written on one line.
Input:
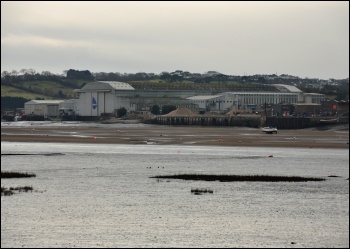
{"points": [[102, 97], [99, 98]]}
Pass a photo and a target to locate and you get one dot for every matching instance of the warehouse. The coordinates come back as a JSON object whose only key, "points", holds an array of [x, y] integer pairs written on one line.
{"points": [[45, 108]]}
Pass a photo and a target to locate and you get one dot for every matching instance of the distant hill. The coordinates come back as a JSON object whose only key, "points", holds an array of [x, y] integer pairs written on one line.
{"points": [[47, 89], [12, 91], [28, 84]]}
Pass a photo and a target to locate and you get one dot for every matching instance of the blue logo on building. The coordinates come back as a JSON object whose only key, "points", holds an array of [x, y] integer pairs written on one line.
{"points": [[94, 103]]}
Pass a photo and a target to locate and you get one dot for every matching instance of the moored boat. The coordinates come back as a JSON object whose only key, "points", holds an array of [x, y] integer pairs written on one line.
{"points": [[269, 129], [329, 121]]}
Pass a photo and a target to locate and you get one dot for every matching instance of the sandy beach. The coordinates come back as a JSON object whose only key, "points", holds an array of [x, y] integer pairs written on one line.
{"points": [[327, 137]]}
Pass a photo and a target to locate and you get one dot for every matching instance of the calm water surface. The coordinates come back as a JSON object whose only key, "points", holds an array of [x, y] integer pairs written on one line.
{"points": [[103, 196]]}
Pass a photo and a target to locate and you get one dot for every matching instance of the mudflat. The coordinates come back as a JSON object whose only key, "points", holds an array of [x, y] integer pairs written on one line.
{"points": [[325, 137]]}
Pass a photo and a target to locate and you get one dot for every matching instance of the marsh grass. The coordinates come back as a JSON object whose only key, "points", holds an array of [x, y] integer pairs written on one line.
{"points": [[10, 191], [9, 174], [240, 178], [198, 191]]}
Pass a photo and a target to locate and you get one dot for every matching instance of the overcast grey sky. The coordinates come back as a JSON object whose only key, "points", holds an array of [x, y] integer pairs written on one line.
{"points": [[305, 39]]}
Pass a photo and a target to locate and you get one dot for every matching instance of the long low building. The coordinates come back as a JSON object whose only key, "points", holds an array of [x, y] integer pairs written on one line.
{"points": [[48, 108], [242, 100], [106, 97], [45, 108]]}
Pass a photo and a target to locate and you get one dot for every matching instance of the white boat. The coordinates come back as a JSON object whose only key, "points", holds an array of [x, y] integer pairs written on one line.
{"points": [[329, 121], [269, 130]]}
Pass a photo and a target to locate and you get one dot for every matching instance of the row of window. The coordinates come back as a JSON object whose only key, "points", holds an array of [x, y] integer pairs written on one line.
{"points": [[252, 100]]}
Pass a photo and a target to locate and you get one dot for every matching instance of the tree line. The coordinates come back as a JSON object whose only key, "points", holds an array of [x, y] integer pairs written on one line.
{"points": [[7, 78], [77, 78]]}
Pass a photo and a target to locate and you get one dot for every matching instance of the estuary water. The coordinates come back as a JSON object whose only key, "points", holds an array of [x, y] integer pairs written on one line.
{"points": [[96, 195]]}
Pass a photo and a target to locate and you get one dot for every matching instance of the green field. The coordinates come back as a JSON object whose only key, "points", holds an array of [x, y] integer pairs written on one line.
{"points": [[37, 89], [9, 91]]}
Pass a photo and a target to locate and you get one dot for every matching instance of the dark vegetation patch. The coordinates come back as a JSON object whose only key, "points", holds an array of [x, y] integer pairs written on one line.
{"points": [[240, 178], [199, 191], [12, 190], [9, 174], [24, 154], [239, 157]]}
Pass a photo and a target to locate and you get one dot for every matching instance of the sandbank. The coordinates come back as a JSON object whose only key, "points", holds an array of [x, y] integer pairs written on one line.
{"points": [[331, 137]]}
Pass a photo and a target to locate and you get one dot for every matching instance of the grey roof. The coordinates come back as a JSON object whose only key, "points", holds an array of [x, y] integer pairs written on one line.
{"points": [[119, 85], [106, 85], [288, 88], [262, 93], [316, 94], [204, 97], [44, 101]]}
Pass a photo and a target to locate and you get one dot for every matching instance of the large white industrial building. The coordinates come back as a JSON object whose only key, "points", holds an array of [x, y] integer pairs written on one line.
{"points": [[106, 97], [100, 97]]}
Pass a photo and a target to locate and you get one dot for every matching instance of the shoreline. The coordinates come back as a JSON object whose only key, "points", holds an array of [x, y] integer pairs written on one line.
{"points": [[177, 135]]}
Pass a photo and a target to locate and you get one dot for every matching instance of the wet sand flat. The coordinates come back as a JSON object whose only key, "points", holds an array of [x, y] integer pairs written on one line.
{"points": [[179, 135]]}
